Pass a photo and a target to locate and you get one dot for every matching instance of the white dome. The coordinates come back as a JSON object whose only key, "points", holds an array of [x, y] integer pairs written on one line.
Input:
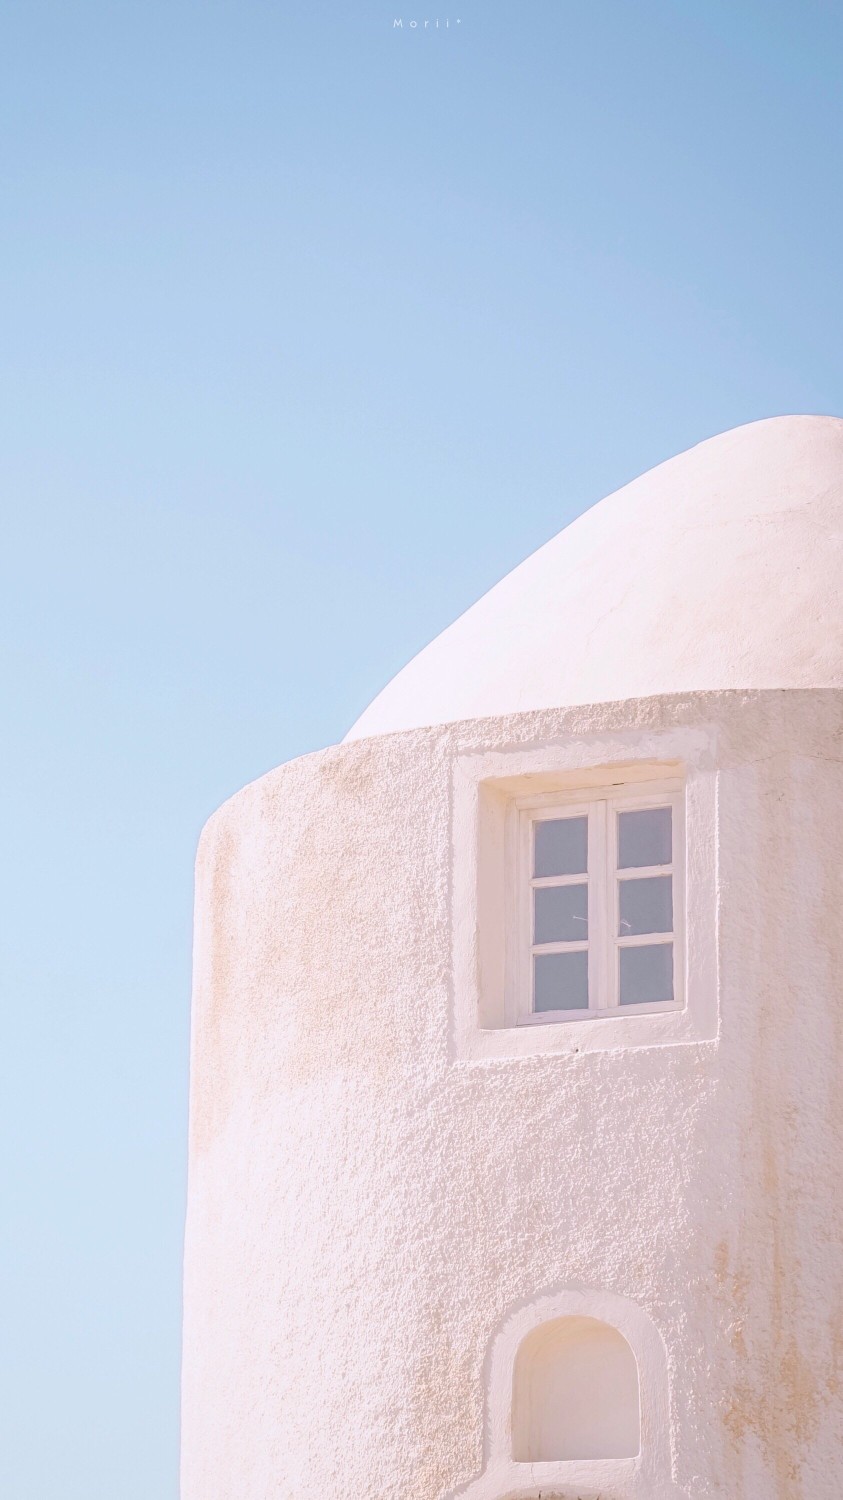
{"points": [[722, 568]]}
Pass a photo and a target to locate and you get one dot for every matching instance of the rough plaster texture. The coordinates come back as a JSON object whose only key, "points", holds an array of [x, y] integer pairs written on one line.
{"points": [[719, 569], [375, 1220]]}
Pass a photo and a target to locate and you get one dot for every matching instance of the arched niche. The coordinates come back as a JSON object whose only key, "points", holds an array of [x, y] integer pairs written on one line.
{"points": [[575, 1393]]}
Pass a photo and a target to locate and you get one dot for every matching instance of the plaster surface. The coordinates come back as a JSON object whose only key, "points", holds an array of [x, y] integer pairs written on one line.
{"points": [[370, 1213], [719, 569]]}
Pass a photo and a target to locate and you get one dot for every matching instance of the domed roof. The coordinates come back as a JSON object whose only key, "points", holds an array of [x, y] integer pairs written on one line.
{"points": [[722, 568]]}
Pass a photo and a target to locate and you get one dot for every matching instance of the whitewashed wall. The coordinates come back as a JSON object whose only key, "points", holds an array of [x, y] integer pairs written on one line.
{"points": [[375, 1218]]}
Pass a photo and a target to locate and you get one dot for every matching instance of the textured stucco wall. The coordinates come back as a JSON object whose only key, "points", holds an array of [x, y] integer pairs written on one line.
{"points": [[368, 1212]]}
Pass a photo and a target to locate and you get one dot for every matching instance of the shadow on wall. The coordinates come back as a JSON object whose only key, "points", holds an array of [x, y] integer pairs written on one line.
{"points": [[575, 1394]]}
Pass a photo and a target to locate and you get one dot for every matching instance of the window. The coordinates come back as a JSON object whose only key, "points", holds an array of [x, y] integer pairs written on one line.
{"points": [[498, 795], [599, 903]]}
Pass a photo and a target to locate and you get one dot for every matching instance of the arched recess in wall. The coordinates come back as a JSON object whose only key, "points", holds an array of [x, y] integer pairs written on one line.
{"points": [[544, 1356], [575, 1393]]}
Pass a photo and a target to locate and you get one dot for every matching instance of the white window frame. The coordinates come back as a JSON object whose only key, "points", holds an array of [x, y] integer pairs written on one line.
{"points": [[603, 879]]}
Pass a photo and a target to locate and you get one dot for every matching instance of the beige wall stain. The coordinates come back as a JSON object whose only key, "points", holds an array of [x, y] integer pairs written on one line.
{"points": [[785, 1382], [212, 1083]]}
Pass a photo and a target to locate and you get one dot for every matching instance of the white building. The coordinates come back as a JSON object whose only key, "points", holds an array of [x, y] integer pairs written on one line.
{"points": [[517, 1075]]}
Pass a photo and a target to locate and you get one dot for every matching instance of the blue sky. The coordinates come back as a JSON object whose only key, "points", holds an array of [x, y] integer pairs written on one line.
{"points": [[311, 329]]}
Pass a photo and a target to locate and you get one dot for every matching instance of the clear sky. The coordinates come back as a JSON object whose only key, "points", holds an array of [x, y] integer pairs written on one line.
{"points": [[312, 327]]}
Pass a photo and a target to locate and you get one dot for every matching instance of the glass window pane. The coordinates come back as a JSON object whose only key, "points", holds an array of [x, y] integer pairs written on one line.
{"points": [[560, 914], [560, 981], [646, 905], [644, 838], [561, 846], [646, 974]]}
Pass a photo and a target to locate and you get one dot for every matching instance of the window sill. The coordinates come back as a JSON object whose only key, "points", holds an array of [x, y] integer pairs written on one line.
{"points": [[567, 1018]]}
